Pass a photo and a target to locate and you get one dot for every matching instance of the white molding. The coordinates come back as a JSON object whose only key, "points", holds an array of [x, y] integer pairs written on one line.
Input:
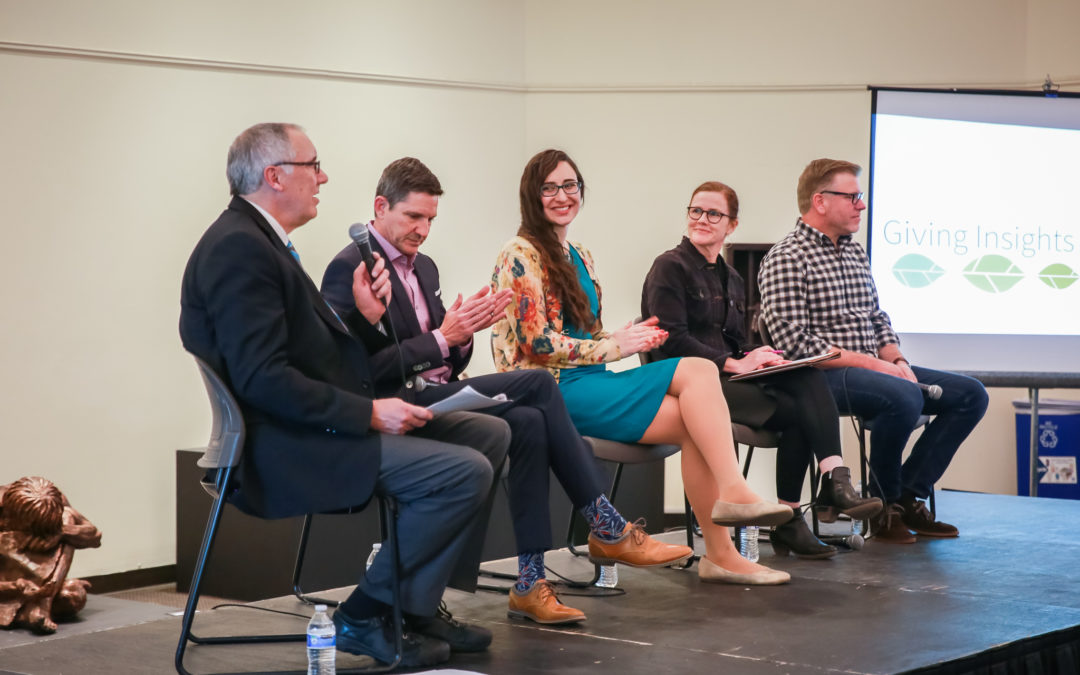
{"points": [[376, 78]]}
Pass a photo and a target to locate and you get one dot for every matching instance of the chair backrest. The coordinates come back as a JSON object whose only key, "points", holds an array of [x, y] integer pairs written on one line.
{"points": [[762, 329], [226, 442]]}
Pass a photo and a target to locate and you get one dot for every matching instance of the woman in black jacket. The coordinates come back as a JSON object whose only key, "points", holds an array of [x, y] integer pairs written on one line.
{"points": [[699, 300]]}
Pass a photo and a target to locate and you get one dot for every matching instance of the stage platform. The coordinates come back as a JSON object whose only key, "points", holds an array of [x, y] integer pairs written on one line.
{"points": [[1003, 598]]}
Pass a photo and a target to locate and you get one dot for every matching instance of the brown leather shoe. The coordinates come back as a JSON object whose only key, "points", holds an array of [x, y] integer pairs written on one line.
{"points": [[636, 549], [888, 526], [917, 517], [542, 606]]}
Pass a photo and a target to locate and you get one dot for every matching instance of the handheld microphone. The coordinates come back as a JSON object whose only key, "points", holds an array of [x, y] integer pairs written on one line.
{"points": [[358, 232], [930, 391], [360, 236]]}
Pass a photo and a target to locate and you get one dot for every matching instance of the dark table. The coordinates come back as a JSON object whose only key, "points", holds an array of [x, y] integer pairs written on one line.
{"points": [[1032, 381]]}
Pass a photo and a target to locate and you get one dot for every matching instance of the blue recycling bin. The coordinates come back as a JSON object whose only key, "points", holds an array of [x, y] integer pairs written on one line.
{"points": [[1059, 447]]}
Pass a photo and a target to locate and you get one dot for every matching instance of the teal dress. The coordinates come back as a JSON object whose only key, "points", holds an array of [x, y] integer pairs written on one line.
{"points": [[616, 406]]}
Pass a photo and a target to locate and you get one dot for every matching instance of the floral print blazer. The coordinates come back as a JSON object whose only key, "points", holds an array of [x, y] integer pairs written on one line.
{"points": [[531, 333]]}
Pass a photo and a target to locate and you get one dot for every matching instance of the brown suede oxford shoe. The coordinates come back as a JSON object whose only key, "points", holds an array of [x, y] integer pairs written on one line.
{"points": [[636, 549], [918, 518], [888, 526], [541, 605]]}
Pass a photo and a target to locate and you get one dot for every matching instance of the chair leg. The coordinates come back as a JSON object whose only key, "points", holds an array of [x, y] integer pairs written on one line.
{"points": [[193, 593], [815, 482], [746, 463], [299, 566], [691, 529], [864, 466], [693, 519], [736, 532]]}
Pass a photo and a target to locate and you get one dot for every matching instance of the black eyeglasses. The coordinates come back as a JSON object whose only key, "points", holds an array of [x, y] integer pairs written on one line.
{"points": [[570, 187], [712, 215], [314, 164], [853, 196]]}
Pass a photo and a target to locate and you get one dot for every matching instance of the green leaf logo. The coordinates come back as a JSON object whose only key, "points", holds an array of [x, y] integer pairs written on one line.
{"points": [[993, 273], [1058, 276], [916, 271]]}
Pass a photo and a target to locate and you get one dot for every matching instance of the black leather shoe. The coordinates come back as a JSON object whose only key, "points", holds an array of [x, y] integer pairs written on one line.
{"points": [[837, 496], [795, 537], [374, 637], [461, 637]]}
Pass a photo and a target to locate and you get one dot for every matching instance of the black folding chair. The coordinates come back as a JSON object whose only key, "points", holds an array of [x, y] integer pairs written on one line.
{"points": [[221, 457]]}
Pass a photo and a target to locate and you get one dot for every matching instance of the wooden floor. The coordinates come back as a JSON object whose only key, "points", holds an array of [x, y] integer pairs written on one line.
{"points": [[886, 609]]}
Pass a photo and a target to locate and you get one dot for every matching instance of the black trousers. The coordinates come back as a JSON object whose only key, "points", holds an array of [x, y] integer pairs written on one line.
{"points": [[543, 440], [797, 403]]}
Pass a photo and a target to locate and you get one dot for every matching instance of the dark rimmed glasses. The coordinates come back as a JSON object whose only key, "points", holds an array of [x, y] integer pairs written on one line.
{"points": [[314, 164], [712, 215], [853, 196], [570, 187]]}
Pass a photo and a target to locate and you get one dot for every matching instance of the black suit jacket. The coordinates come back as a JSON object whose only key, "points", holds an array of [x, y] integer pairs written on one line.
{"points": [[418, 350], [304, 382]]}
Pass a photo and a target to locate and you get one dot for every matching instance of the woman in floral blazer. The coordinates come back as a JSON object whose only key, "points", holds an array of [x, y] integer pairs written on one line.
{"points": [[553, 322]]}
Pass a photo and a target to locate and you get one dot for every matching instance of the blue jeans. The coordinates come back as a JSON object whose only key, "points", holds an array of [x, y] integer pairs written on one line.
{"points": [[892, 407]]}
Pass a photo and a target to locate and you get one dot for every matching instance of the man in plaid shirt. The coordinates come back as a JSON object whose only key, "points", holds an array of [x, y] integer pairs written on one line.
{"points": [[817, 295]]}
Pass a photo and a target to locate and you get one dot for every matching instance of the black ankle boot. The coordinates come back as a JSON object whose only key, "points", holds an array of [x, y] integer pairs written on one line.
{"points": [[795, 537], [838, 496]]}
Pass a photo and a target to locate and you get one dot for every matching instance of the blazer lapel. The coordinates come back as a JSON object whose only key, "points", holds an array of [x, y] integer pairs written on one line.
{"points": [[317, 300], [428, 278]]}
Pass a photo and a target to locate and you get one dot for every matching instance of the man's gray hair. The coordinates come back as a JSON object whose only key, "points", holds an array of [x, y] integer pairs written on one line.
{"points": [[255, 149]]}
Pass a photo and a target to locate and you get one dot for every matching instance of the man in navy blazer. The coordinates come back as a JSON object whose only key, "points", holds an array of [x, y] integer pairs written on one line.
{"points": [[436, 342], [318, 437]]}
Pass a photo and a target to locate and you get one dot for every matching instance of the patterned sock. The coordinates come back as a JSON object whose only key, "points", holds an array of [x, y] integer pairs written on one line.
{"points": [[530, 570], [603, 520]]}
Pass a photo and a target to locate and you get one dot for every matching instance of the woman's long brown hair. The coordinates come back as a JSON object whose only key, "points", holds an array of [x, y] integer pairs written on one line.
{"points": [[540, 232]]}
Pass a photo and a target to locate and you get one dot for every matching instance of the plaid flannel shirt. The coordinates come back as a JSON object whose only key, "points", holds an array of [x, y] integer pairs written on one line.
{"points": [[815, 295]]}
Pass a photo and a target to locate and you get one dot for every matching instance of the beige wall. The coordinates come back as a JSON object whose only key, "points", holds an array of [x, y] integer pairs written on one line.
{"points": [[119, 167], [118, 114]]}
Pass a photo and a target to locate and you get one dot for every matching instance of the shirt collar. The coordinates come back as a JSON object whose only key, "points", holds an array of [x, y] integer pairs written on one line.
{"points": [[392, 254], [274, 224], [813, 234]]}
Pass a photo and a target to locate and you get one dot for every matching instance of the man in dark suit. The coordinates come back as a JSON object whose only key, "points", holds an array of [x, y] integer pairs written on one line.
{"points": [[318, 439], [435, 345]]}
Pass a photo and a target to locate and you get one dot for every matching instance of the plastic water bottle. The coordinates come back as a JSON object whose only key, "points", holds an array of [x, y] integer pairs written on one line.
{"points": [[321, 643], [855, 540], [748, 543], [609, 577], [375, 548]]}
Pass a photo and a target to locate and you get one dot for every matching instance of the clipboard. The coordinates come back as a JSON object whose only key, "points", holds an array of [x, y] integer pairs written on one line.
{"points": [[790, 365]]}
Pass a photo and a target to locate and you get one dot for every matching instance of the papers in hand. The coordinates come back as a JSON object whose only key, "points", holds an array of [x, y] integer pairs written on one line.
{"points": [[466, 398]]}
